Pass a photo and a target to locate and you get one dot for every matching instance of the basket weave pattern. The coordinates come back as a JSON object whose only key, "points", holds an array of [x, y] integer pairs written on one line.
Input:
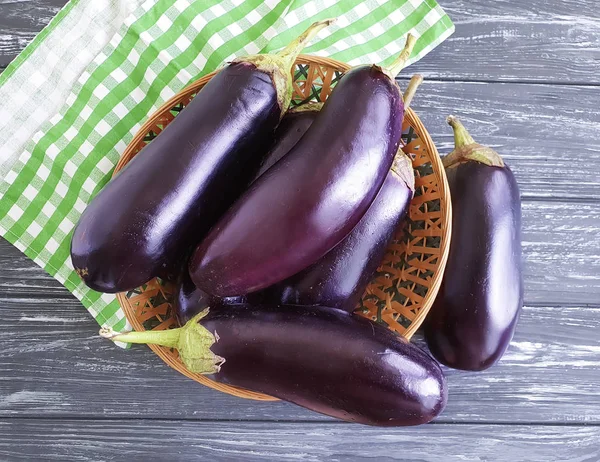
{"points": [[408, 279]]}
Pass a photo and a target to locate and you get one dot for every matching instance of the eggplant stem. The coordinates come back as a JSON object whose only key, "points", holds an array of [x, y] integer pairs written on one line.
{"points": [[461, 135], [411, 89], [466, 149], [167, 338], [400, 62], [193, 341], [291, 51]]}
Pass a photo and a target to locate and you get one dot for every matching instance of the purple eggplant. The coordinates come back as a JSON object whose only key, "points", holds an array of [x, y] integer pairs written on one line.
{"points": [[312, 198], [293, 126], [475, 314], [188, 299], [323, 359], [149, 217], [340, 278]]}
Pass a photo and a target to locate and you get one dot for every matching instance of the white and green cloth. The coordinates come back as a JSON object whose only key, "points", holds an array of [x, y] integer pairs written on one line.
{"points": [[72, 101]]}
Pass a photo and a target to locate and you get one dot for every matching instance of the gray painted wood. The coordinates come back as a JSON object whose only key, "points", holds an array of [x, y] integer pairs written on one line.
{"points": [[52, 364], [233, 441], [20, 21], [548, 134], [61, 383], [561, 245], [525, 41], [536, 41]]}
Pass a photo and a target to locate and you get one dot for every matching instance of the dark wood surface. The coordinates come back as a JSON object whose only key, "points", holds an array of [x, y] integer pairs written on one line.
{"points": [[525, 77]]}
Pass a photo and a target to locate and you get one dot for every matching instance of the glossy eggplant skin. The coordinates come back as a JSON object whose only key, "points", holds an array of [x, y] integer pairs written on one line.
{"points": [[340, 278], [188, 300], [328, 361], [311, 199], [148, 218], [292, 127], [475, 314]]}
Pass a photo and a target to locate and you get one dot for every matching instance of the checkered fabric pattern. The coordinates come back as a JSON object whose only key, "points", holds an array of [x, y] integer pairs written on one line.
{"points": [[70, 104]]}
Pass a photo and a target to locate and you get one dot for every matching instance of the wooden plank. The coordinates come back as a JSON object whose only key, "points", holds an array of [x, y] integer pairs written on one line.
{"points": [[524, 41], [81, 440], [503, 40], [21, 21], [546, 133], [53, 364], [561, 243]]}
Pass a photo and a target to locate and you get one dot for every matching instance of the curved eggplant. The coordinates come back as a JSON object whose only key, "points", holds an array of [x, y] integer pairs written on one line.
{"points": [[339, 279], [476, 311], [313, 197], [323, 359], [188, 299], [149, 217], [292, 127]]}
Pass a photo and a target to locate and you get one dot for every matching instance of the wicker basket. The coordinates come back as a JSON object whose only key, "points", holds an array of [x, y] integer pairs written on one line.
{"points": [[408, 280]]}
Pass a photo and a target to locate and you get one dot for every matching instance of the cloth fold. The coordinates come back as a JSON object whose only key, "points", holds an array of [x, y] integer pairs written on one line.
{"points": [[76, 96]]}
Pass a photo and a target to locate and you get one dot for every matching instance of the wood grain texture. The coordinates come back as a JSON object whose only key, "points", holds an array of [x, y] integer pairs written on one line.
{"points": [[84, 399], [561, 245], [183, 441], [525, 41], [20, 22], [547, 134], [53, 364], [535, 41]]}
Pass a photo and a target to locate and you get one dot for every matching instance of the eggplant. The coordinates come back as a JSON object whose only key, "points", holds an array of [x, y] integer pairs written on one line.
{"points": [[151, 215], [188, 300], [293, 126], [476, 311], [312, 198], [323, 359], [340, 278]]}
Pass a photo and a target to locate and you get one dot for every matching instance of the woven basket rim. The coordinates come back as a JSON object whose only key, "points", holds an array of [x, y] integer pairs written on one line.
{"points": [[445, 207]]}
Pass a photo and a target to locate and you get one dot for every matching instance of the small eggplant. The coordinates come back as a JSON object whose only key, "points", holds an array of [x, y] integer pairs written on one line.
{"points": [[339, 279], [323, 359], [475, 314], [311, 199], [151, 215]]}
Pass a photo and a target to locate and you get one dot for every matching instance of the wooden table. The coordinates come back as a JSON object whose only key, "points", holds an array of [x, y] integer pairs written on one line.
{"points": [[525, 78]]}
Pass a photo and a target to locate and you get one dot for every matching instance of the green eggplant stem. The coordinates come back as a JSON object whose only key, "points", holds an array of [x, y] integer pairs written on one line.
{"points": [[400, 62], [279, 65], [461, 135], [466, 149], [167, 338], [193, 341], [293, 49]]}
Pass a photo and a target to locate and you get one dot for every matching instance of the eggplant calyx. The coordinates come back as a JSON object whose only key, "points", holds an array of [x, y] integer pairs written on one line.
{"points": [[307, 107], [279, 66], [193, 341], [466, 149], [403, 168]]}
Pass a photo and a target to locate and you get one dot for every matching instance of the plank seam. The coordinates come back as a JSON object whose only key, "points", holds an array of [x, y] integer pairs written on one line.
{"points": [[8, 419], [553, 83]]}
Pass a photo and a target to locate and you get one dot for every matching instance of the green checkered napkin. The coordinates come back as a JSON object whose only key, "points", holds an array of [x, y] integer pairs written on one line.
{"points": [[72, 101]]}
